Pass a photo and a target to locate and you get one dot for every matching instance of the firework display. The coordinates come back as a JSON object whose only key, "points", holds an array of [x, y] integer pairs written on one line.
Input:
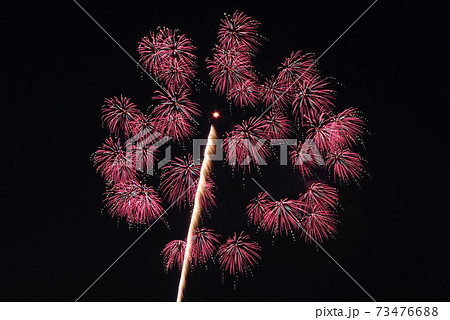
{"points": [[296, 104]]}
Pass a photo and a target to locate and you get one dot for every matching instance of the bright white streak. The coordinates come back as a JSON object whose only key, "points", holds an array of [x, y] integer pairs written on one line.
{"points": [[204, 173]]}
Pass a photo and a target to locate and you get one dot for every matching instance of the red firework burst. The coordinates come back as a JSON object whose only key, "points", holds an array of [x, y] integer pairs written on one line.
{"points": [[258, 208], [117, 113], [246, 144], [175, 113], [312, 98], [204, 245], [320, 195], [239, 30], [137, 202], [345, 165], [318, 224], [173, 254], [112, 163], [238, 255], [277, 125], [282, 217]]}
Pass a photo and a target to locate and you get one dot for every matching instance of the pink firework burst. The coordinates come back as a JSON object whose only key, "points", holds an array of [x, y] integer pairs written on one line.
{"points": [[246, 93], [175, 113], [306, 157], [180, 181], [246, 144], [169, 56], [207, 198], [137, 202], [347, 127], [173, 254], [345, 165], [277, 124], [322, 133], [230, 68], [143, 153], [320, 195], [282, 217], [238, 255], [239, 30], [275, 93], [112, 162], [117, 113], [179, 67], [151, 53], [257, 208], [141, 123], [331, 133], [318, 224], [297, 68], [312, 98], [204, 245]]}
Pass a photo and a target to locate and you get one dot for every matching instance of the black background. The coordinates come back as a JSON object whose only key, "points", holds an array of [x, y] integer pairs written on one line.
{"points": [[58, 66]]}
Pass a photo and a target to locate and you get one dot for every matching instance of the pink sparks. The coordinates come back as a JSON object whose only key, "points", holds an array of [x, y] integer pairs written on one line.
{"points": [[204, 246], [239, 30], [169, 56], [112, 163], [117, 113], [173, 254], [313, 97], [174, 114], [282, 217], [238, 255], [318, 224], [136, 202], [246, 144], [345, 165], [257, 208], [179, 184], [320, 195], [277, 124]]}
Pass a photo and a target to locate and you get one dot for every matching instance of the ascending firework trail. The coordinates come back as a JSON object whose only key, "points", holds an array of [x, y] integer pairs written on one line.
{"points": [[204, 173]]}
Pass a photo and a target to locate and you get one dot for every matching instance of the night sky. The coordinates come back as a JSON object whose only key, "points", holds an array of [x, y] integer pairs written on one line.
{"points": [[57, 68]]}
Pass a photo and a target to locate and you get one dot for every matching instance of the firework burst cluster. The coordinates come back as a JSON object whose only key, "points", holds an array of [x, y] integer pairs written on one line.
{"points": [[296, 103]]}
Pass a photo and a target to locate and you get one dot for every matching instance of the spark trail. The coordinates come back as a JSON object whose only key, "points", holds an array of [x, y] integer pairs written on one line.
{"points": [[196, 211]]}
